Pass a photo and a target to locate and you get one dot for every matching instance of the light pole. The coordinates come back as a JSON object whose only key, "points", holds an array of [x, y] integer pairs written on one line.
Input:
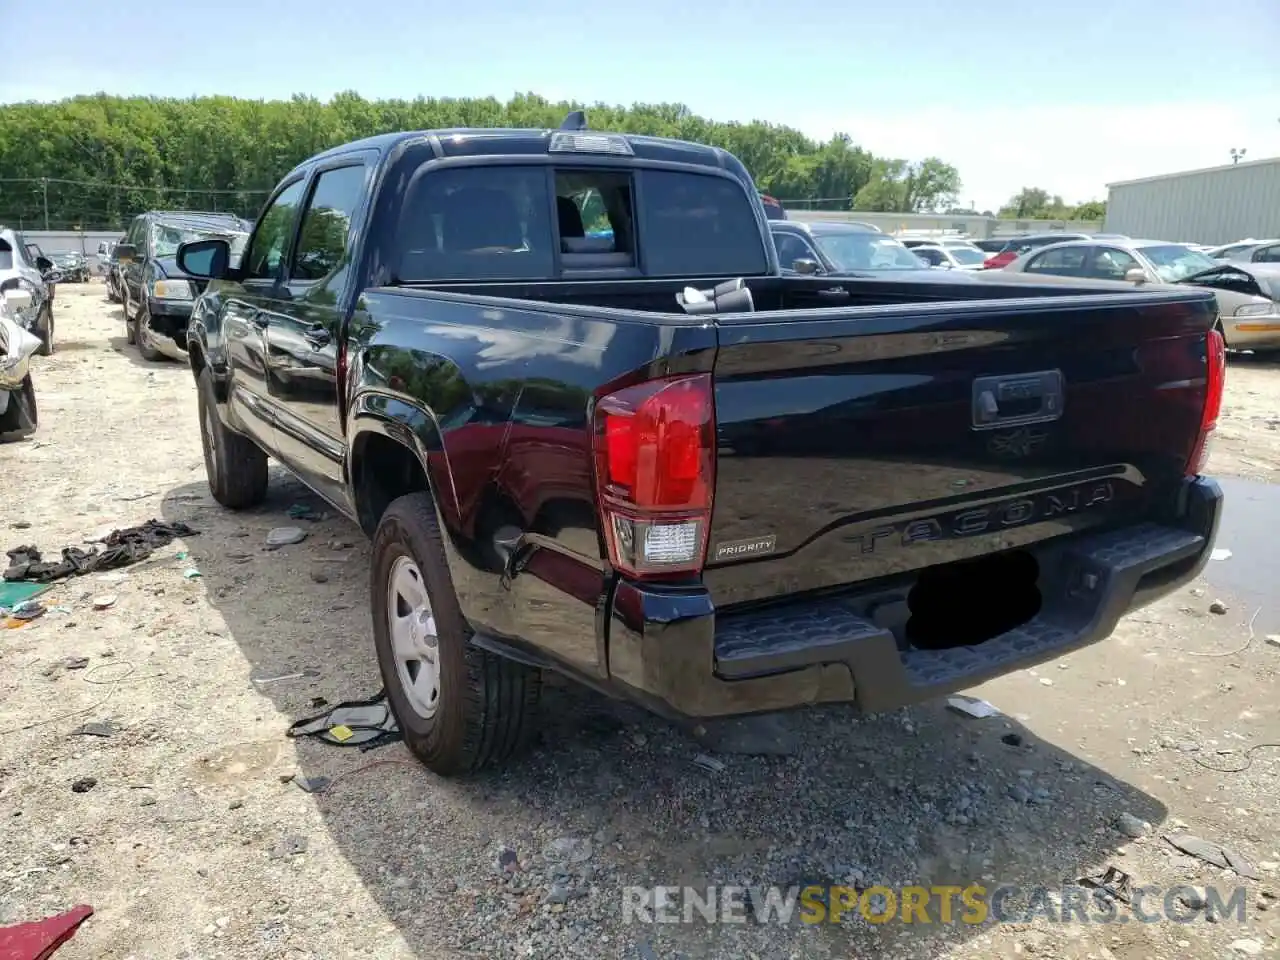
{"points": [[1237, 154]]}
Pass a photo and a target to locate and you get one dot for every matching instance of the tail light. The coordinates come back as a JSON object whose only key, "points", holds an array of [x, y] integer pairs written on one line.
{"points": [[655, 474], [1214, 386]]}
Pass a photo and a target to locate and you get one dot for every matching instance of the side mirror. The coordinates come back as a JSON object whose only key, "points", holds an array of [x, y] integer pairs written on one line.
{"points": [[806, 266], [126, 252], [44, 264], [1135, 275], [206, 259]]}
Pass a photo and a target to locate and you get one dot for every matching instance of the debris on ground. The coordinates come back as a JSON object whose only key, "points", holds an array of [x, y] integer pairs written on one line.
{"points": [[709, 763], [285, 536], [972, 707], [40, 939], [84, 784], [95, 730], [289, 847], [104, 601], [1113, 883], [1214, 853], [356, 723], [1218, 607], [311, 784], [1132, 827], [1273, 639], [122, 548], [1220, 553]]}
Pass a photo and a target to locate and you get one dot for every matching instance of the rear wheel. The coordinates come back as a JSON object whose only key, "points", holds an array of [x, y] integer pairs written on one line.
{"points": [[459, 707], [235, 465]]}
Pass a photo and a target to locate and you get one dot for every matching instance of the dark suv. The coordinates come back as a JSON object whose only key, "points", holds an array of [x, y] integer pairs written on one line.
{"points": [[155, 292]]}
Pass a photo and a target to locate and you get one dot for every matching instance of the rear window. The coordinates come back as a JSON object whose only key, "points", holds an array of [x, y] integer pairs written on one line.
{"points": [[698, 224], [494, 223]]}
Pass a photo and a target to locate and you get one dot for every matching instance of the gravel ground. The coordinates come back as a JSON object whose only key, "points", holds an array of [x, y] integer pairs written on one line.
{"points": [[186, 833]]}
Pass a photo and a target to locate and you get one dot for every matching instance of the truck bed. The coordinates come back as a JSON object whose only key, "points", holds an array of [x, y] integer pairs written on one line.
{"points": [[847, 449]]}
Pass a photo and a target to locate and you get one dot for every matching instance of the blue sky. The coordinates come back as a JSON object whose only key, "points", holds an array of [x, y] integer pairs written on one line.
{"points": [[1066, 96]]}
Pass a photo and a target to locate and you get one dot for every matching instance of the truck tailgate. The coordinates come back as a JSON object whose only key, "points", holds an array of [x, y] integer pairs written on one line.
{"points": [[859, 443]]}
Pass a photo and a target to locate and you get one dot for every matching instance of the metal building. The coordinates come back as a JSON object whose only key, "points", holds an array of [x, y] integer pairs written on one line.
{"points": [[1215, 205]]}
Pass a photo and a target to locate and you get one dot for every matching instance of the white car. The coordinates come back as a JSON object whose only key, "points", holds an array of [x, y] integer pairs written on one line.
{"points": [[950, 256]]}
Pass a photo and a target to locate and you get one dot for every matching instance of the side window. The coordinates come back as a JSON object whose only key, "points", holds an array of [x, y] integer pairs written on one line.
{"points": [[698, 224], [790, 249], [326, 223], [932, 257], [1108, 263], [266, 251], [1063, 262], [1269, 254]]}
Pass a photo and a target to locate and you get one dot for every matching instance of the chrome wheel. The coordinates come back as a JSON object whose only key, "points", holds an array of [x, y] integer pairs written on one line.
{"points": [[414, 643]]}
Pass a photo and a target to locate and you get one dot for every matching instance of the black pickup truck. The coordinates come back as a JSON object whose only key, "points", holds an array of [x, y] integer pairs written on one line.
{"points": [[559, 379]]}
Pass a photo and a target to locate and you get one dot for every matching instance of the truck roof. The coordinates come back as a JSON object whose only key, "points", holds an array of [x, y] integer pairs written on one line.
{"points": [[509, 141]]}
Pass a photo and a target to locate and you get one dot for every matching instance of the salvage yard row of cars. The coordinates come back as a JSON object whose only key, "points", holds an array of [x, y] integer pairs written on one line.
{"points": [[603, 413], [1244, 277]]}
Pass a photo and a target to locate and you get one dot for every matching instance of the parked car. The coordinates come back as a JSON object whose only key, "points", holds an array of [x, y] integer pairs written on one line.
{"points": [[156, 294], [657, 465], [952, 256], [102, 261], [72, 267], [115, 285], [918, 241], [1240, 250], [1020, 246], [833, 247], [19, 416], [1265, 251], [1249, 317], [23, 271]]}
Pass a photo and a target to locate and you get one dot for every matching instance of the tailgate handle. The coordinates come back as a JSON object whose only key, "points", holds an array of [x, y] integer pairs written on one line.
{"points": [[1018, 398]]}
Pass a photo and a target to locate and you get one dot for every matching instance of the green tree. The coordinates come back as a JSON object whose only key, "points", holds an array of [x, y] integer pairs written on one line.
{"points": [[98, 160]]}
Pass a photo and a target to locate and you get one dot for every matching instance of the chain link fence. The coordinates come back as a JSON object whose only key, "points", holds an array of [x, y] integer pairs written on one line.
{"points": [[50, 203]]}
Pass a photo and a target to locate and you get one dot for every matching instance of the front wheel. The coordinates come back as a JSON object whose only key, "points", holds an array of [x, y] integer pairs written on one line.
{"points": [[235, 465], [459, 707], [142, 334], [44, 330]]}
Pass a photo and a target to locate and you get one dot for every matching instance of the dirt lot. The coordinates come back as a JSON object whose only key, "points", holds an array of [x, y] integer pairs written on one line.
{"points": [[193, 842]]}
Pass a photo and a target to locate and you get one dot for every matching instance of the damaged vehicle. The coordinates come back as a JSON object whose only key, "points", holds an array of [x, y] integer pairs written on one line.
{"points": [[24, 272], [18, 417], [71, 266], [155, 292]]}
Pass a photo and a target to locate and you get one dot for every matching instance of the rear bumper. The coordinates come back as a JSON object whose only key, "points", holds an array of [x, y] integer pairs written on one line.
{"points": [[668, 650]]}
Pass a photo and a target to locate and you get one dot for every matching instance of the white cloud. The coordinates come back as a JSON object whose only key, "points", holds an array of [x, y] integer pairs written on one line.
{"points": [[1069, 150]]}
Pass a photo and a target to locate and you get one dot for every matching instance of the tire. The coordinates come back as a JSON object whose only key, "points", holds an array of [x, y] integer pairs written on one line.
{"points": [[113, 295], [45, 332], [130, 334], [21, 401], [486, 706], [142, 338], [235, 465]]}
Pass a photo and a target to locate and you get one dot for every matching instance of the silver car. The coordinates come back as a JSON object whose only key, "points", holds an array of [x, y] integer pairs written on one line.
{"points": [[1248, 293]]}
